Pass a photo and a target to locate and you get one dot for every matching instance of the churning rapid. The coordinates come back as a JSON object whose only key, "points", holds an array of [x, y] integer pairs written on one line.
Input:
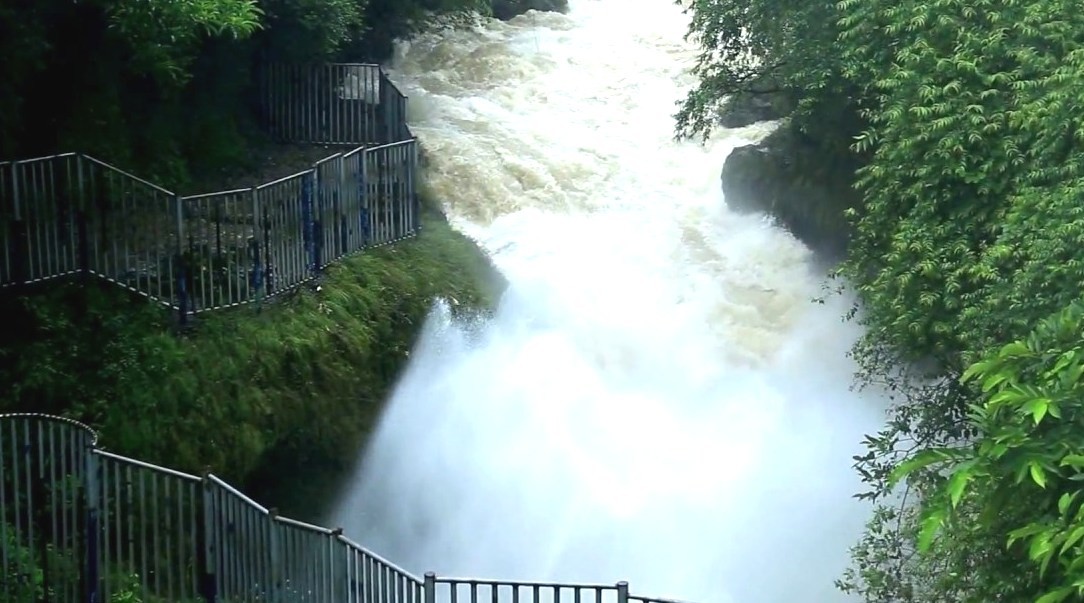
{"points": [[657, 399]]}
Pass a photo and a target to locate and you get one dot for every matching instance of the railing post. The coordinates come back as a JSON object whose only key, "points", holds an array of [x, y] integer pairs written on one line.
{"points": [[182, 268], [207, 541], [412, 187], [308, 184], [82, 234], [622, 592], [92, 494], [429, 588], [335, 584], [386, 109], [274, 555]]}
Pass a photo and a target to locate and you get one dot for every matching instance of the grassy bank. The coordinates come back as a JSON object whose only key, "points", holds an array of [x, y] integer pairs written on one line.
{"points": [[301, 379]]}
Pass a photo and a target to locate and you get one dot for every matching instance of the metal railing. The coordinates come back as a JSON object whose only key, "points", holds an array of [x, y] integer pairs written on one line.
{"points": [[73, 214], [78, 523], [332, 103]]}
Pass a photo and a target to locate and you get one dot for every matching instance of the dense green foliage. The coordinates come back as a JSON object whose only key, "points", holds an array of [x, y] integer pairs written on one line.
{"points": [[302, 378], [968, 234]]}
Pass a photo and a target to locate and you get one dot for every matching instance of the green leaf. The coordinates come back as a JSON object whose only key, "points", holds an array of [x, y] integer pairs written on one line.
{"points": [[1055, 596], [993, 381], [1024, 532], [931, 525], [1040, 546], [958, 482], [919, 461], [1037, 408], [1065, 500], [1038, 475], [1073, 538], [1016, 348]]}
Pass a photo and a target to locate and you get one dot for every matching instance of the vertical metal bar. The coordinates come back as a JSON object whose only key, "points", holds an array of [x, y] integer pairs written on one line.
{"points": [[182, 286], [417, 198], [208, 544], [171, 524], [308, 232], [72, 165], [92, 497], [195, 505], [291, 82], [334, 101], [129, 218], [274, 559], [141, 540], [116, 553], [33, 211], [52, 218], [156, 543], [365, 216], [28, 481], [274, 107], [47, 466], [370, 580], [6, 586]]}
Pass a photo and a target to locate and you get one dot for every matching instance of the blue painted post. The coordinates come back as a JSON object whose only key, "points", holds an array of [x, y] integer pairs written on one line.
{"points": [[308, 235], [429, 588], [256, 276], [622, 592], [92, 485]]}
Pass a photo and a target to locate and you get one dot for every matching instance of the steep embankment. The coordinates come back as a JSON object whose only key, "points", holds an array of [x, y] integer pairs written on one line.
{"points": [[303, 378]]}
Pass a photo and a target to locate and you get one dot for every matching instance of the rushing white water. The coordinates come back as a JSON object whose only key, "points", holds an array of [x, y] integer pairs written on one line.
{"points": [[657, 399]]}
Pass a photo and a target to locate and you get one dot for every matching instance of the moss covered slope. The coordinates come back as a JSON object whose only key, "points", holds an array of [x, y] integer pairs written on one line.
{"points": [[304, 376]]}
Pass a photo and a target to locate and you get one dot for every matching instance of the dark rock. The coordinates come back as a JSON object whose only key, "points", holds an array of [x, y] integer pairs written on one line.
{"points": [[507, 9], [742, 110], [805, 186]]}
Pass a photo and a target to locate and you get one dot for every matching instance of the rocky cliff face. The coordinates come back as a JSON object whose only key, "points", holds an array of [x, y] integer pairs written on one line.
{"points": [[507, 9]]}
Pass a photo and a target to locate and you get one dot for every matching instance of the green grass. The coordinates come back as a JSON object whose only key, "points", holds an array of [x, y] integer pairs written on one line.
{"points": [[302, 378]]}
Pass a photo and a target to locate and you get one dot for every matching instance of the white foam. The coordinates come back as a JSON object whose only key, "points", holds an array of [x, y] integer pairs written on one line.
{"points": [[656, 400]]}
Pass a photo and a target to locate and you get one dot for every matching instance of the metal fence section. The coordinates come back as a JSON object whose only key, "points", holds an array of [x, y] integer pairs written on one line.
{"points": [[73, 214], [78, 523], [43, 515], [339, 103], [473, 590]]}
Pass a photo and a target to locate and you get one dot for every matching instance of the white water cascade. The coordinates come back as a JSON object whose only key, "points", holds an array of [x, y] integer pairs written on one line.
{"points": [[657, 398]]}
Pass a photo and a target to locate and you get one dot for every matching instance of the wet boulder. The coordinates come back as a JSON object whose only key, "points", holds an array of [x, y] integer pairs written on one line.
{"points": [[805, 187]]}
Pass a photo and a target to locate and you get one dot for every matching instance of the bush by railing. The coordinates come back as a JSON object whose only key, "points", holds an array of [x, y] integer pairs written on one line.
{"points": [[70, 213], [80, 523]]}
